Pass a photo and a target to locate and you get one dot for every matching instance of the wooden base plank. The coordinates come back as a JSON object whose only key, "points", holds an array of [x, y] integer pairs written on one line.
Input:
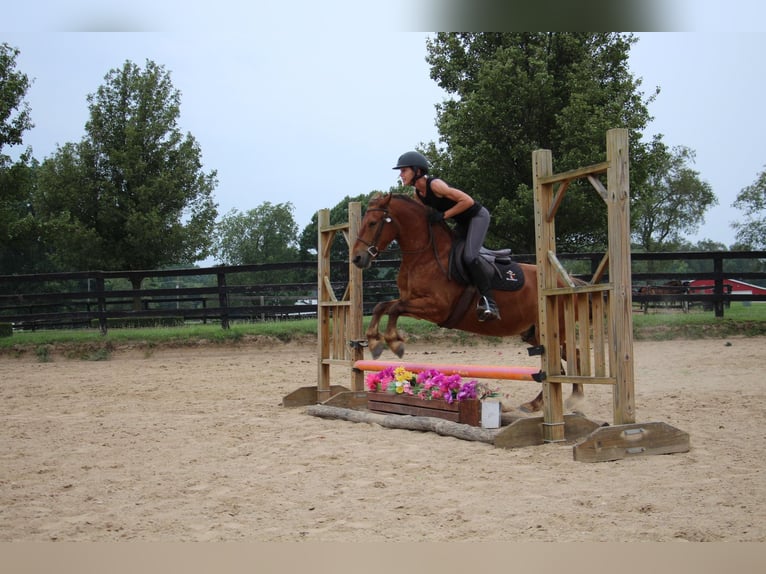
{"points": [[626, 441], [348, 400], [305, 396], [529, 431]]}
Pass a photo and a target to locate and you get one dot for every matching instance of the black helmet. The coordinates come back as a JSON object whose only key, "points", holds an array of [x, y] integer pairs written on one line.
{"points": [[414, 160]]}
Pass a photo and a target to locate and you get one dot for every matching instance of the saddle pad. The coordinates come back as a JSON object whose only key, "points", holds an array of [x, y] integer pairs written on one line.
{"points": [[508, 276]]}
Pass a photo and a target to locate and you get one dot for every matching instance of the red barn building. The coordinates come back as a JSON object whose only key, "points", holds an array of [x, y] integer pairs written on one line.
{"points": [[737, 287]]}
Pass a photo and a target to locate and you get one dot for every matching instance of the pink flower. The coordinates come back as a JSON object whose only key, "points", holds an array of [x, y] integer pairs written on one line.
{"points": [[426, 385]]}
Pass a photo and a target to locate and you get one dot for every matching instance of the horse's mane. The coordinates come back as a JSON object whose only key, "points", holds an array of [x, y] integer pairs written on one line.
{"points": [[398, 197], [412, 204], [407, 199]]}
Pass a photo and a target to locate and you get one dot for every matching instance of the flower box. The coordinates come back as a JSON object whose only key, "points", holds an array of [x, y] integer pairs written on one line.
{"points": [[466, 411]]}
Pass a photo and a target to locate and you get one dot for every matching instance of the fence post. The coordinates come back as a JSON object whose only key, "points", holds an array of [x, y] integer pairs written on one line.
{"points": [[718, 285], [223, 299], [101, 298]]}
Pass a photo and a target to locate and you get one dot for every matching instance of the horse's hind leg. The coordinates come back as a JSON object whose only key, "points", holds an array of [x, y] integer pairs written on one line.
{"points": [[571, 404], [530, 338], [578, 390], [534, 405], [574, 400]]}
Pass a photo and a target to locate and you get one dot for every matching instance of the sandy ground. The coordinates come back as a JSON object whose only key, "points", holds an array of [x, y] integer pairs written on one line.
{"points": [[194, 445]]}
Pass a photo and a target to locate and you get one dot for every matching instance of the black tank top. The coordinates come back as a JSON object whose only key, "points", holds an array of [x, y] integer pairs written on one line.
{"points": [[444, 203]]}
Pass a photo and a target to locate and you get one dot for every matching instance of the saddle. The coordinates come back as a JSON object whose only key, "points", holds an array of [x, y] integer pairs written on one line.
{"points": [[506, 274]]}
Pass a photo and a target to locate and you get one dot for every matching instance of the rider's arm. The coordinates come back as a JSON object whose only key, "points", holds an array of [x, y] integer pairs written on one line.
{"points": [[462, 200]]}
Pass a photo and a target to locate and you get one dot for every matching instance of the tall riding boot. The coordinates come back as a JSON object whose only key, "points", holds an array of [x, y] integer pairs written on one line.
{"points": [[487, 309]]}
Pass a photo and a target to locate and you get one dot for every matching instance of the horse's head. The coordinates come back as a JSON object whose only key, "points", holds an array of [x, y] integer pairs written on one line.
{"points": [[376, 231]]}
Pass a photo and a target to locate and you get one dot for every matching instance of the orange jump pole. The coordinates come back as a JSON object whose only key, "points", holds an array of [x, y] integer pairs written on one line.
{"points": [[475, 371]]}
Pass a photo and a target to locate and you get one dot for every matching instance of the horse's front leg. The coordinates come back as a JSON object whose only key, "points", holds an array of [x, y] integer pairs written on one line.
{"points": [[393, 337], [374, 339], [417, 308]]}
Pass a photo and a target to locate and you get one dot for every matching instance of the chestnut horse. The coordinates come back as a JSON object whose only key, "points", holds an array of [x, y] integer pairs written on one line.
{"points": [[426, 289]]}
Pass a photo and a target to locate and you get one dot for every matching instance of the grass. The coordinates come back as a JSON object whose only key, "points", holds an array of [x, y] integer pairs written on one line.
{"points": [[738, 320], [88, 344]]}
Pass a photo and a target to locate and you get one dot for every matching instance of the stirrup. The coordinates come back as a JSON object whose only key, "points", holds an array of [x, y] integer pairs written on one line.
{"points": [[487, 310]]}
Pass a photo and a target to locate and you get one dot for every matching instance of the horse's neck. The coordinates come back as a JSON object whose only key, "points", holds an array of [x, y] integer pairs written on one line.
{"points": [[424, 243]]}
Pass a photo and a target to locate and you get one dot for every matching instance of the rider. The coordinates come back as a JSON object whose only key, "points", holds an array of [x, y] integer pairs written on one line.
{"points": [[471, 217]]}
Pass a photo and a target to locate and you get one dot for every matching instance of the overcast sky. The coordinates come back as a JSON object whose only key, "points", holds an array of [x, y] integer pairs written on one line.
{"points": [[314, 107]]}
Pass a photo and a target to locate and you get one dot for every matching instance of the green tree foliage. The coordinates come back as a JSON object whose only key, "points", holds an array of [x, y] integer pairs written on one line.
{"points": [[18, 244], [15, 115], [266, 234], [338, 215], [339, 251], [132, 194], [513, 93], [752, 200], [671, 201]]}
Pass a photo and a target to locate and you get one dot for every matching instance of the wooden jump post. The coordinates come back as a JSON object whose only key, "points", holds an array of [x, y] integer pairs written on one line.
{"points": [[339, 321], [598, 315]]}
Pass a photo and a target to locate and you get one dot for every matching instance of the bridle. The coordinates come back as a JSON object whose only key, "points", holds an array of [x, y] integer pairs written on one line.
{"points": [[372, 247]]}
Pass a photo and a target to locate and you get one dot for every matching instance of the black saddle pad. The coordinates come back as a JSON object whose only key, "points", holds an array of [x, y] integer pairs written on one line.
{"points": [[507, 275]]}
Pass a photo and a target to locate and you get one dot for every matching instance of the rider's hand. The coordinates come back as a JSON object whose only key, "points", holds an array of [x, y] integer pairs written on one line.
{"points": [[435, 216]]}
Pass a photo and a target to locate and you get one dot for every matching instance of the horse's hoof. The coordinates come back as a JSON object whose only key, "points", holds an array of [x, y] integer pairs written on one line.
{"points": [[574, 402], [377, 350], [398, 349]]}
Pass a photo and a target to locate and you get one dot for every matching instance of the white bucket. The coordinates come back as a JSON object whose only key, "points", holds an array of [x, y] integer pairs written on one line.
{"points": [[490, 414]]}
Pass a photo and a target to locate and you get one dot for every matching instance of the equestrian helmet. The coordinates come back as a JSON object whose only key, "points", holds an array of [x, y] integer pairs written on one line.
{"points": [[414, 160]]}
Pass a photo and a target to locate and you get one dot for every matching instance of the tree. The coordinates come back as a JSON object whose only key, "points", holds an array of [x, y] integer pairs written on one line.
{"points": [[339, 250], [513, 93], [338, 215], [17, 231], [132, 194], [671, 201], [266, 234], [752, 200], [15, 115]]}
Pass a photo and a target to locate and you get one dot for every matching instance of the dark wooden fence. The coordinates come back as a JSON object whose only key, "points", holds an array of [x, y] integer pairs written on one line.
{"points": [[671, 286], [89, 298], [223, 294]]}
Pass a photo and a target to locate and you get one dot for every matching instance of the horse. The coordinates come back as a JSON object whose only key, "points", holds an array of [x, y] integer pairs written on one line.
{"points": [[429, 290], [674, 287]]}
